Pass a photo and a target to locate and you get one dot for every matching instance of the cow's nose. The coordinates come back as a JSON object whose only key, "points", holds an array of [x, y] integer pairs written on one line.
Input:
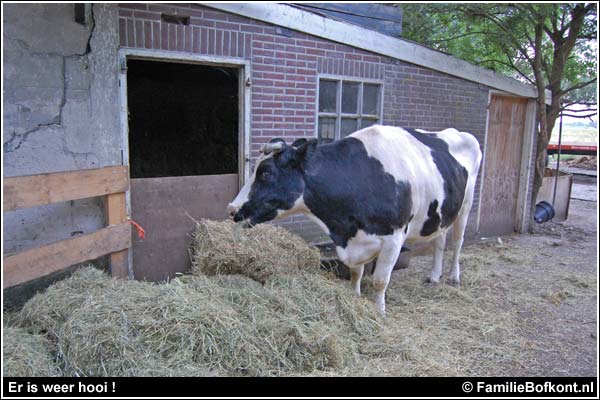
{"points": [[232, 210]]}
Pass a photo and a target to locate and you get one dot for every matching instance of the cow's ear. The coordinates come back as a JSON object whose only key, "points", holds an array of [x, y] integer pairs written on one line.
{"points": [[305, 151], [299, 142]]}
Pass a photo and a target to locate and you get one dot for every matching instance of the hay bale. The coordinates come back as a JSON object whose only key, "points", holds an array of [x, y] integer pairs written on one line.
{"points": [[201, 325], [27, 355], [226, 248]]}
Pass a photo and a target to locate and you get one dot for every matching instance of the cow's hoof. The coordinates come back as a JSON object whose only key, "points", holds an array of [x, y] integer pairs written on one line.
{"points": [[432, 281], [453, 282]]}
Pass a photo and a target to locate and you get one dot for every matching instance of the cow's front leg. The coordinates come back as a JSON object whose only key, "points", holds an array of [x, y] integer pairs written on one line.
{"points": [[356, 273], [438, 258], [386, 260]]}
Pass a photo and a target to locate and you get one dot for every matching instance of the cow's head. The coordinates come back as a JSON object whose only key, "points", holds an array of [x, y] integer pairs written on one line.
{"points": [[276, 186]]}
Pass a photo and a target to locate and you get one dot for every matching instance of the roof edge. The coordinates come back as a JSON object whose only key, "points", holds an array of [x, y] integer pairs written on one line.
{"points": [[375, 42]]}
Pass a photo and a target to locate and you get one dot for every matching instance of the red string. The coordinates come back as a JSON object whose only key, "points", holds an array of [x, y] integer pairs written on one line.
{"points": [[140, 231]]}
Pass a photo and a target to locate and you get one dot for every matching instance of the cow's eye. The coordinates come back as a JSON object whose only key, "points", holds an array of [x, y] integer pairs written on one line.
{"points": [[265, 175]]}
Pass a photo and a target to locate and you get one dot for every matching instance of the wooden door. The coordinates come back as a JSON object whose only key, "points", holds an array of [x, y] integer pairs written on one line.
{"points": [[166, 209], [504, 147]]}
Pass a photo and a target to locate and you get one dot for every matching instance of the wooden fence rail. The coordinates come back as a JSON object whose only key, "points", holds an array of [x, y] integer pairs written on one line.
{"points": [[36, 190]]}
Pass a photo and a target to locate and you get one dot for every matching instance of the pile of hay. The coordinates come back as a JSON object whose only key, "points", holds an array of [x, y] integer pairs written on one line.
{"points": [[200, 325], [226, 248], [26, 354]]}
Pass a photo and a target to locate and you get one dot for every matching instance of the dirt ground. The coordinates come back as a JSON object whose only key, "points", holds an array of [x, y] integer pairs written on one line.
{"points": [[527, 306]]}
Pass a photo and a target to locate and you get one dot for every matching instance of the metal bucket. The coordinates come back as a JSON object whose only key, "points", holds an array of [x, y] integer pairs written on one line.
{"points": [[543, 212]]}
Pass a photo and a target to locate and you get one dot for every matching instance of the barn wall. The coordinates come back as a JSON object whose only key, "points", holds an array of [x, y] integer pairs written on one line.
{"points": [[60, 86], [285, 67]]}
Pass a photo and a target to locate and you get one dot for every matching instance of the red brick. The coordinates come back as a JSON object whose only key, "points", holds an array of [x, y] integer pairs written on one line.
{"points": [[139, 33], [372, 59], [305, 71], [202, 22], [350, 56], [285, 84], [307, 57], [263, 38], [134, 6], [306, 43], [219, 43], [234, 44], [122, 32], [262, 111], [316, 52], [204, 40], [251, 29], [211, 41], [188, 38], [281, 55], [172, 37], [334, 54], [265, 53], [146, 15], [295, 91], [274, 76], [148, 34], [214, 15], [196, 39], [227, 26], [295, 49], [164, 36], [273, 118], [180, 37], [272, 46], [162, 8]]}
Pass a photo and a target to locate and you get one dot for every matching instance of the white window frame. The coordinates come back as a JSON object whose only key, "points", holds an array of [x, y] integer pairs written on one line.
{"points": [[338, 115]]}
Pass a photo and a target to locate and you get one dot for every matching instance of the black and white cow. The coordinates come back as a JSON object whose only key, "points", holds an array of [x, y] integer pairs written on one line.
{"points": [[371, 192]]}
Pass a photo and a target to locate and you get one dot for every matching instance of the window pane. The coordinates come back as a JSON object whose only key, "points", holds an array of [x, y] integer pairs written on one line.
{"points": [[327, 96], [326, 129], [348, 126], [350, 97], [370, 99], [367, 122]]}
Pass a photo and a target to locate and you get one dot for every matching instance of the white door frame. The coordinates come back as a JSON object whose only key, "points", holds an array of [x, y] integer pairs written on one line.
{"points": [[244, 95]]}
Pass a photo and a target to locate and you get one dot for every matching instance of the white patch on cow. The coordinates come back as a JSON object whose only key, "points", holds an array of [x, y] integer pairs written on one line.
{"points": [[298, 207], [244, 194], [391, 145], [360, 249], [407, 159]]}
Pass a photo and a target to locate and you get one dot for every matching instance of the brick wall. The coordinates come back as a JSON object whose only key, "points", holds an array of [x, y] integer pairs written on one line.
{"points": [[285, 65]]}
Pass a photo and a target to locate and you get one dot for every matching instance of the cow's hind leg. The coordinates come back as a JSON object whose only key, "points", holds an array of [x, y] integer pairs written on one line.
{"points": [[458, 234], [356, 273], [386, 260], [438, 258]]}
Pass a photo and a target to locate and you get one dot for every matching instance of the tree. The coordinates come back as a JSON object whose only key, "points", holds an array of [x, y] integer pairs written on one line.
{"points": [[551, 46]]}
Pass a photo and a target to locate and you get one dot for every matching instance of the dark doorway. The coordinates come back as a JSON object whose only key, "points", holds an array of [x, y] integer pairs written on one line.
{"points": [[183, 119], [183, 156]]}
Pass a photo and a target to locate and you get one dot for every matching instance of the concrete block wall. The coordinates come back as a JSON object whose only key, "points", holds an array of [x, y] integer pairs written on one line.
{"points": [[60, 113], [285, 68]]}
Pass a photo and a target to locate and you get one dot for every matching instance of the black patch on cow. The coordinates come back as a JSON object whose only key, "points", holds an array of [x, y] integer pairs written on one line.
{"points": [[348, 191], [433, 222], [277, 186], [454, 175]]}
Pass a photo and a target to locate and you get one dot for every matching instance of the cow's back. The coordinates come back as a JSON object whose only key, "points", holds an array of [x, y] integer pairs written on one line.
{"points": [[440, 167]]}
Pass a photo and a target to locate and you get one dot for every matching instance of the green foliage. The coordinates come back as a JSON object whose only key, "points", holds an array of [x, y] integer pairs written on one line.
{"points": [[502, 37]]}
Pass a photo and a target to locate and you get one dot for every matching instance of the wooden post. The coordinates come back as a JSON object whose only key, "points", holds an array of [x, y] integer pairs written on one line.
{"points": [[116, 213]]}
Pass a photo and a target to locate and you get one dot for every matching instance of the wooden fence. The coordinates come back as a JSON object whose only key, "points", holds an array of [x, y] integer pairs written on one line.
{"points": [[36, 190]]}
